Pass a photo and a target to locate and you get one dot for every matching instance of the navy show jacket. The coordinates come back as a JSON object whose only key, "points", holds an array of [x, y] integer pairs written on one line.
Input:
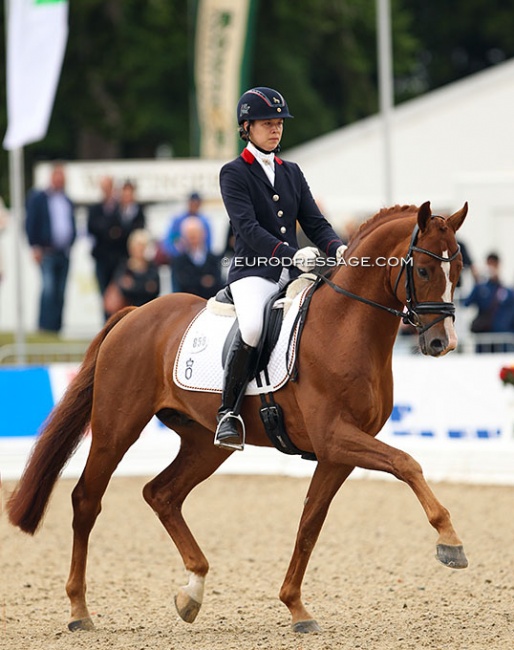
{"points": [[264, 217], [38, 224]]}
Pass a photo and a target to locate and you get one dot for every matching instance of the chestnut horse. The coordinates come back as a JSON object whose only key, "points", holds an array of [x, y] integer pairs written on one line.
{"points": [[341, 398]]}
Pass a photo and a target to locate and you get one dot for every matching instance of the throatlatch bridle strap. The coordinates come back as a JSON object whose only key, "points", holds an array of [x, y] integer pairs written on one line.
{"points": [[413, 309]]}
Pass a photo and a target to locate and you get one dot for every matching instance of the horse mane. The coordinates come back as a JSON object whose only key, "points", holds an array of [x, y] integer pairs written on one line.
{"points": [[385, 214]]}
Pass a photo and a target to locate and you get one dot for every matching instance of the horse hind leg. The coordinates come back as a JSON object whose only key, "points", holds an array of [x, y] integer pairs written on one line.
{"points": [[103, 459], [196, 460]]}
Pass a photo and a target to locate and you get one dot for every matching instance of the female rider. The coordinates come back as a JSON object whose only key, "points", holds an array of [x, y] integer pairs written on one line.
{"points": [[265, 197]]}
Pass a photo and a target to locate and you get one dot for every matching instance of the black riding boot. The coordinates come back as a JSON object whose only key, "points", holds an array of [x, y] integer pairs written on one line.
{"points": [[239, 365]]}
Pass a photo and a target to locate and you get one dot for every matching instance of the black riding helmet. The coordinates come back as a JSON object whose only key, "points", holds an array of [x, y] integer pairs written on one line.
{"points": [[261, 104]]}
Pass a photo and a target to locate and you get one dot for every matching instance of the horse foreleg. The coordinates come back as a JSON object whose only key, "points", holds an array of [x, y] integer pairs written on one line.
{"points": [[195, 462], [326, 481], [449, 549], [362, 450]]}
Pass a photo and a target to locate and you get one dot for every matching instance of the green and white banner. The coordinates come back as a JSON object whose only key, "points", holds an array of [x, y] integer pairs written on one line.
{"points": [[37, 32], [222, 48]]}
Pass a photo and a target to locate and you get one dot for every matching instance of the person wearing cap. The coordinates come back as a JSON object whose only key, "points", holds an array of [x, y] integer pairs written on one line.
{"points": [[265, 198], [171, 244], [171, 240]]}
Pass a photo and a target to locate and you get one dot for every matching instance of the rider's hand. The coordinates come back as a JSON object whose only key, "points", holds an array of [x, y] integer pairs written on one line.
{"points": [[340, 253], [305, 258]]}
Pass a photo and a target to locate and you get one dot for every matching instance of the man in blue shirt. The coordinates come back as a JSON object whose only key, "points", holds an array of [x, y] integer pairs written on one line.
{"points": [[171, 245], [51, 231], [495, 304]]}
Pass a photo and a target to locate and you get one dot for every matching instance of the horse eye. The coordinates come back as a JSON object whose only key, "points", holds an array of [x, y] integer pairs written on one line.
{"points": [[422, 272]]}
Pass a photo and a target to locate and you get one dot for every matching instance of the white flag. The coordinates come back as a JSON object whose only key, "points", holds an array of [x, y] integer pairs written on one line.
{"points": [[37, 32]]}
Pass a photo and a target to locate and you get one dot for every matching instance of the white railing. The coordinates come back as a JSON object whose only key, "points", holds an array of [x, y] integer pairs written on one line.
{"points": [[36, 353]]}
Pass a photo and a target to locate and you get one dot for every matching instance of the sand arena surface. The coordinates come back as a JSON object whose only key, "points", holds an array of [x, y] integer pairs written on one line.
{"points": [[372, 582]]}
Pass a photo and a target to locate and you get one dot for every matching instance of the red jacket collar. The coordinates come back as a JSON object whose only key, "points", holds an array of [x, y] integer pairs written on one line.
{"points": [[249, 158]]}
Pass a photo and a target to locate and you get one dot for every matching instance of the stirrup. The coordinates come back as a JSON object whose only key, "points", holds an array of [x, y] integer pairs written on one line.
{"points": [[226, 444]]}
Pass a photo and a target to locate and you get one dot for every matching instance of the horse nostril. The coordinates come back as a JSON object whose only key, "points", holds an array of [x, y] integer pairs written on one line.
{"points": [[437, 346]]}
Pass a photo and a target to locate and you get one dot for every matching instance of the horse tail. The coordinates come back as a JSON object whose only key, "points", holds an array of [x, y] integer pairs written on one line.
{"points": [[59, 438]]}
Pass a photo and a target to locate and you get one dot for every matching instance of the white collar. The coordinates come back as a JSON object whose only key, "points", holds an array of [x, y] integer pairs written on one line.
{"points": [[263, 158]]}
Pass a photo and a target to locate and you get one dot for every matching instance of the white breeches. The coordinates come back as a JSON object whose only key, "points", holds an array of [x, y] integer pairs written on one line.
{"points": [[250, 297]]}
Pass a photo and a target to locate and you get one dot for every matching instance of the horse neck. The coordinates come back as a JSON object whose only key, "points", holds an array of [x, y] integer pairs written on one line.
{"points": [[372, 282]]}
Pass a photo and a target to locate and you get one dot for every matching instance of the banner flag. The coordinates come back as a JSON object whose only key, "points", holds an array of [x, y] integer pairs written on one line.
{"points": [[222, 47], [37, 32]]}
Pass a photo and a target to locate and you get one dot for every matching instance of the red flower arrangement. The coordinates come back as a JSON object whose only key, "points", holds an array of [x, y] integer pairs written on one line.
{"points": [[507, 375]]}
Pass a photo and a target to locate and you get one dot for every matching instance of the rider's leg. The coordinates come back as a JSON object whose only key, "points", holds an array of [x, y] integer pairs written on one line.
{"points": [[250, 297]]}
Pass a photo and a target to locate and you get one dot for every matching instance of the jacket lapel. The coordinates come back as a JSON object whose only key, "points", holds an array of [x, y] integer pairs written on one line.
{"points": [[255, 168]]}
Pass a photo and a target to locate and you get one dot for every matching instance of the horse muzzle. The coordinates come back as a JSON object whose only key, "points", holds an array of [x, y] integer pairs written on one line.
{"points": [[438, 340]]}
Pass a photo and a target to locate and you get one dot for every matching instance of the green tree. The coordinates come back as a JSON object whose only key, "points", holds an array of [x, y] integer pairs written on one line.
{"points": [[322, 55], [459, 38], [125, 86], [123, 89]]}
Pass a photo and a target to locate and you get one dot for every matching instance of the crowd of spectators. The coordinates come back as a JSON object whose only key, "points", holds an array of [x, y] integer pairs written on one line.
{"points": [[128, 259]]}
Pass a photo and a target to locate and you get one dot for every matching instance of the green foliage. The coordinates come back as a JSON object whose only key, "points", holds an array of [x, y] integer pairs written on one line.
{"points": [[458, 39], [125, 86]]}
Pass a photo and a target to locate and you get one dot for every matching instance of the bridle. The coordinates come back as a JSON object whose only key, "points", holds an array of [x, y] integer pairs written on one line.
{"points": [[413, 309]]}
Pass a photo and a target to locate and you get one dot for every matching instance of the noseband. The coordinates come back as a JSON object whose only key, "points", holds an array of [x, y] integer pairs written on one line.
{"points": [[413, 309]]}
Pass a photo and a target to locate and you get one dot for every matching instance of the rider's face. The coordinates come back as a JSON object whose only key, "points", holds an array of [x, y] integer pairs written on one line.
{"points": [[267, 134]]}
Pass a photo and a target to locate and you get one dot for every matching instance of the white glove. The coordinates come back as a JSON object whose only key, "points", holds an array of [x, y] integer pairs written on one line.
{"points": [[340, 253], [305, 258]]}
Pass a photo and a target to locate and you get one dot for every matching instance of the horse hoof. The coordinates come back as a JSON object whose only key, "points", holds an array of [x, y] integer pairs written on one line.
{"points": [[452, 556], [306, 627], [85, 624], [187, 608]]}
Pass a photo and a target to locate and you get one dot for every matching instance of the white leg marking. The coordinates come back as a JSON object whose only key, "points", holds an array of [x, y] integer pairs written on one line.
{"points": [[195, 586]]}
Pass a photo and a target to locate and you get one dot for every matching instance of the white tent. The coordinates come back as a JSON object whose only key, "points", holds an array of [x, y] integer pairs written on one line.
{"points": [[452, 145]]}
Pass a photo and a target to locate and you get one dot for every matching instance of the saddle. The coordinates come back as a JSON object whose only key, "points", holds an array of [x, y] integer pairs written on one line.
{"points": [[273, 317], [271, 413]]}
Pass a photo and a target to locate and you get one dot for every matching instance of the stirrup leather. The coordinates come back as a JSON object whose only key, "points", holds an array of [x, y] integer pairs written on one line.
{"points": [[226, 444]]}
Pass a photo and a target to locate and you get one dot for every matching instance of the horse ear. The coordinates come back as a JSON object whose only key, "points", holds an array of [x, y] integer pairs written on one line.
{"points": [[424, 214], [457, 219]]}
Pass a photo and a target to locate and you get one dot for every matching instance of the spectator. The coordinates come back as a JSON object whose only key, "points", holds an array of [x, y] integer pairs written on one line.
{"points": [[136, 281], [467, 263], [495, 304], [196, 270], [51, 231], [110, 223], [468, 277], [171, 245], [132, 213]]}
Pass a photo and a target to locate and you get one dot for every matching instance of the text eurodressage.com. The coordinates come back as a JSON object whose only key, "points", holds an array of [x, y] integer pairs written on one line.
{"points": [[364, 261]]}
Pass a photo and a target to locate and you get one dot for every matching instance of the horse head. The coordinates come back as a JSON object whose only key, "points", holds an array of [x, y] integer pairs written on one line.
{"points": [[433, 266]]}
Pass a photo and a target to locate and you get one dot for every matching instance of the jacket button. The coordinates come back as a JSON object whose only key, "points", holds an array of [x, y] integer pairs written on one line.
{"points": [[280, 213], [283, 229], [275, 197]]}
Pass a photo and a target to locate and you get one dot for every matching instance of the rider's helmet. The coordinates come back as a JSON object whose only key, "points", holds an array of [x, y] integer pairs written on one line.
{"points": [[261, 104]]}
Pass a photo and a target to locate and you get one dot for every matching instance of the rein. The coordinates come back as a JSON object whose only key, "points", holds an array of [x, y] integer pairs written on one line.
{"points": [[413, 309]]}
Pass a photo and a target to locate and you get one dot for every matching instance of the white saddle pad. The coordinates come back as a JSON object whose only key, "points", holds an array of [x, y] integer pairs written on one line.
{"points": [[198, 362]]}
